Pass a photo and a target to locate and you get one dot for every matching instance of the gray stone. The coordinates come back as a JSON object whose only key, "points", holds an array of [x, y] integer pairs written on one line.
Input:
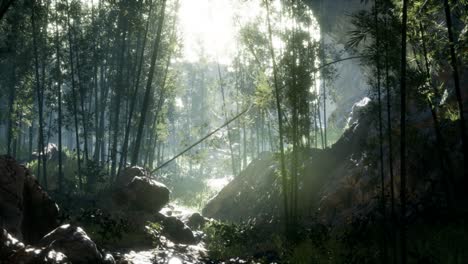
{"points": [[196, 221], [74, 243], [146, 194], [126, 175], [26, 210], [13, 251], [176, 231]]}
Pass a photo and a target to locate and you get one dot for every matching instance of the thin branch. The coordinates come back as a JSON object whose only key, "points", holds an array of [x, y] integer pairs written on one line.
{"points": [[340, 60], [202, 139]]}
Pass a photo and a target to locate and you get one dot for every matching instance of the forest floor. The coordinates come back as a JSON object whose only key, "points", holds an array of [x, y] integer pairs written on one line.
{"points": [[166, 251]]}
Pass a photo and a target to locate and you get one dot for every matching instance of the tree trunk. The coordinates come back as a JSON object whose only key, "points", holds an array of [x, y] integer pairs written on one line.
{"points": [[322, 53], [30, 142], [456, 81], [440, 142], [95, 87], [149, 85], [320, 127], [82, 95], [381, 154], [280, 117], [74, 98], [39, 95], [221, 85], [403, 134], [11, 104], [135, 93], [59, 103], [118, 91], [390, 152]]}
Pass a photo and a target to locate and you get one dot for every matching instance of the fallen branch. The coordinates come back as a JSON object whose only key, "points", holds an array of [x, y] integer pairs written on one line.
{"points": [[202, 139]]}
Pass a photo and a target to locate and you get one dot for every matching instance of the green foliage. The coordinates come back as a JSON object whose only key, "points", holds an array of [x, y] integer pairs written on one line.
{"points": [[94, 174], [225, 241], [102, 226], [112, 231], [69, 171], [154, 229], [263, 92], [265, 244], [191, 192], [431, 241], [439, 243]]}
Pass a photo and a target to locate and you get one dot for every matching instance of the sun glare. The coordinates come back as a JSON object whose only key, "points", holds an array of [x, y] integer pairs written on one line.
{"points": [[209, 28], [90, 3]]}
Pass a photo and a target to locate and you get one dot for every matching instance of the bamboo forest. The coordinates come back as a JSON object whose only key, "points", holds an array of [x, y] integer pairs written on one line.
{"points": [[234, 131]]}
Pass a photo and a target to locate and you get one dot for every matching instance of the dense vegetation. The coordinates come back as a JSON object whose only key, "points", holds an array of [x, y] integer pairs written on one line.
{"points": [[89, 88]]}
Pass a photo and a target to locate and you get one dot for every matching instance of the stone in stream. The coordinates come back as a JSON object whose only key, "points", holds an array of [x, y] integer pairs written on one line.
{"points": [[196, 221], [177, 231], [146, 194], [136, 191]]}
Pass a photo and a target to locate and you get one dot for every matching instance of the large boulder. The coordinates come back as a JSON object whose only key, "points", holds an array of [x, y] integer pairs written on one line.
{"points": [[342, 184], [127, 175], [256, 192], [135, 190], [34, 255], [40, 211], [196, 221], [9, 245], [147, 195], [74, 243], [175, 230], [13, 251], [26, 210], [253, 193]]}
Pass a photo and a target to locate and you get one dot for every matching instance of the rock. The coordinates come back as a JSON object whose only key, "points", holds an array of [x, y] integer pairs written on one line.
{"points": [[13, 251], [51, 152], [176, 231], [9, 245], [357, 111], [74, 243], [249, 195], [40, 211], [256, 192], [33, 255], [12, 177], [108, 259], [127, 175], [146, 194], [196, 221], [134, 190], [26, 210]]}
